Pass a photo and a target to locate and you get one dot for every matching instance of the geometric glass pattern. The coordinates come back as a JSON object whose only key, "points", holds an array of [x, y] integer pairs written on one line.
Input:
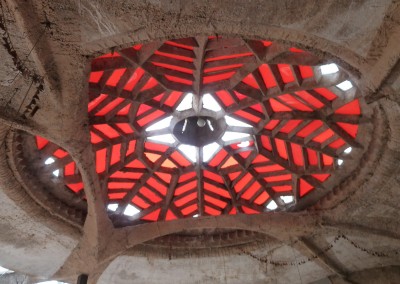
{"points": [[287, 125]]}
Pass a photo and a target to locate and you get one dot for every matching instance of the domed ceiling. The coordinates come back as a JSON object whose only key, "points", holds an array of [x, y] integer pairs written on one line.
{"points": [[208, 126]]}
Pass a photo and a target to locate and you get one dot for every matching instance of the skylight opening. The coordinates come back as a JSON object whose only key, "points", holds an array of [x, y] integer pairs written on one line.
{"points": [[272, 205], [287, 199], [235, 122], [51, 282], [210, 103], [210, 125], [329, 69], [131, 210], [345, 85], [163, 123], [244, 144], [348, 150], [165, 138], [49, 161], [339, 162], [4, 270], [186, 103], [112, 207], [56, 173], [230, 136], [189, 151], [209, 151]]}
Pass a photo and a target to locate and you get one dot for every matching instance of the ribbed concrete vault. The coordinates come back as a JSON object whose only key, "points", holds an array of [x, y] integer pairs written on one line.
{"points": [[348, 234]]}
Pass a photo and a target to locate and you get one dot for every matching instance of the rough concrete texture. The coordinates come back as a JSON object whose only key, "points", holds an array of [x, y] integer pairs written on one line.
{"points": [[361, 36]]}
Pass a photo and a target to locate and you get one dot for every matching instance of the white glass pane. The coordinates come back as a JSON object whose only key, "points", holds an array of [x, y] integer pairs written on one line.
{"points": [[272, 205], [131, 210], [287, 199], [112, 207], [189, 151], [186, 103], [163, 123], [348, 150], [244, 144], [329, 69], [56, 173], [345, 85], [229, 136], [165, 138], [49, 161], [209, 151], [210, 103], [235, 122]]}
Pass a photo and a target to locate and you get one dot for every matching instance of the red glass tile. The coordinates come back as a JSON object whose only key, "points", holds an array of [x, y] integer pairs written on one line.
{"points": [[151, 83], [69, 169], [186, 187], [107, 130], [213, 176], [95, 77], [218, 158], [306, 72], [351, 129], [217, 190], [278, 107], [278, 178], [59, 153], [312, 157], [248, 210], [262, 198], [225, 97], [310, 99], [101, 160], [139, 202], [180, 159], [294, 103], [297, 154], [321, 177], [150, 117], [109, 107], [181, 201], [350, 108], [189, 209], [326, 93], [153, 216], [251, 81], [170, 216], [152, 196], [116, 196], [173, 67], [243, 182], [286, 73], [172, 98], [215, 201], [310, 128], [75, 187], [134, 79], [157, 185], [282, 188], [211, 211], [251, 191], [115, 154], [305, 187], [281, 147], [178, 80]]}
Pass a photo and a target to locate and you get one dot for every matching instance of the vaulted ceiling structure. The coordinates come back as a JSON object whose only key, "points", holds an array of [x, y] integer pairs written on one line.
{"points": [[155, 142]]}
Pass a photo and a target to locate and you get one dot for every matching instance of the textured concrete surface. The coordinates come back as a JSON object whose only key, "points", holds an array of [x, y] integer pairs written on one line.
{"points": [[361, 36]]}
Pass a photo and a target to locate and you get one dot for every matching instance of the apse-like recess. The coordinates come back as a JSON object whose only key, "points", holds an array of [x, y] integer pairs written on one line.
{"points": [[212, 125]]}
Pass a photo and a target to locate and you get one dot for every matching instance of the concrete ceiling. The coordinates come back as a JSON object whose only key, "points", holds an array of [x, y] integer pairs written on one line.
{"points": [[351, 236]]}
